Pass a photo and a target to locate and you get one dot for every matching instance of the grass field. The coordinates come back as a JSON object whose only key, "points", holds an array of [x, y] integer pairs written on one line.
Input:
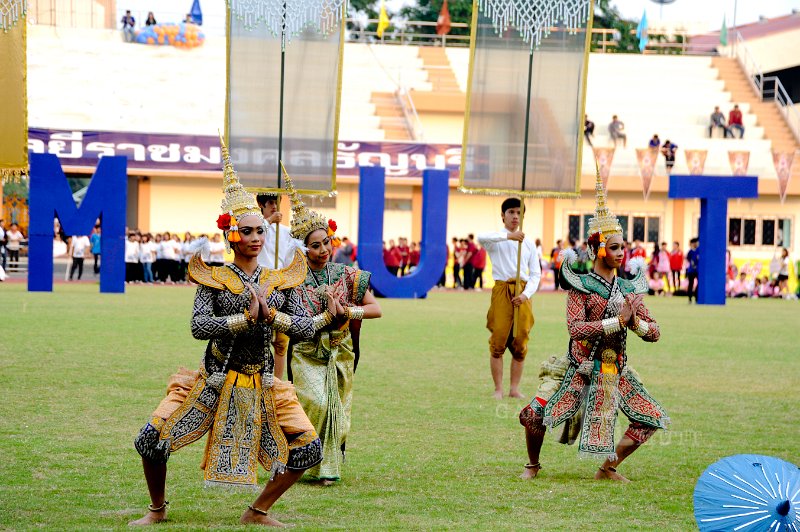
{"points": [[429, 447]]}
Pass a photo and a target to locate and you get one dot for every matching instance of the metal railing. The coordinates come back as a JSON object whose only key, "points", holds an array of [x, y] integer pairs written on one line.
{"points": [[403, 33], [767, 88], [413, 122]]}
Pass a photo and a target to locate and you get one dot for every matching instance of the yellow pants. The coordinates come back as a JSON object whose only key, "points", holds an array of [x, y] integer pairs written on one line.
{"points": [[500, 318]]}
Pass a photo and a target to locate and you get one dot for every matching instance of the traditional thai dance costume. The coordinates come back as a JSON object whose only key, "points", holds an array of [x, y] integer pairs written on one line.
{"points": [[251, 416], [585, 389], [323, 366], [500, 317]]}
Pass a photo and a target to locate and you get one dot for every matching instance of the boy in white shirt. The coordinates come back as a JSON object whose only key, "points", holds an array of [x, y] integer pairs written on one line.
{"points": [[78, 245], [132, 251], [502, 248], [266, 259]]}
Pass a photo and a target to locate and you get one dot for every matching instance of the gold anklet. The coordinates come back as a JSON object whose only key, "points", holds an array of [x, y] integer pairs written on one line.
{"points": [[257, 510], [159, 508], [537, 465]]}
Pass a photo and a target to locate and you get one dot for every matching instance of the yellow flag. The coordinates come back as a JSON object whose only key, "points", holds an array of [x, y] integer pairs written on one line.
{"points": [[383, 20], [13, 102]]}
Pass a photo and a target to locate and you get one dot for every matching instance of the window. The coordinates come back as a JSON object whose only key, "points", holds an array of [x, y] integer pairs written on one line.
{"points": [[759, 231], [638, 229], [397, 204], [735, 231], [574, 227], [653, 232], [784, 232], [749, 233], [768, 232], [643, 228]]}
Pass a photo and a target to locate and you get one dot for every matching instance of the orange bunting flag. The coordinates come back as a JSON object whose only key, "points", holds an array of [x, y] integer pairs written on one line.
{"points": [[783, 167], [696, 161], [646, 157], [739, 159], [604, 157], [443, 22]]}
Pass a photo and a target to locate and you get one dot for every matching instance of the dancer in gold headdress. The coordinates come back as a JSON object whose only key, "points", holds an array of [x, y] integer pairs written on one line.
{"points": [[322, 368], [585, 388], [251, 416]]}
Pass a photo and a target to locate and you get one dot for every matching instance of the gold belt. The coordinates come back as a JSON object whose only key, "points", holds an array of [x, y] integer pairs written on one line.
{"points": [[247, 369]]}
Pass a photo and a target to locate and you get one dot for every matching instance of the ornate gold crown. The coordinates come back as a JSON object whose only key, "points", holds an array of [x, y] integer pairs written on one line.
{"points": [[237, 202], [603, 221], [304, 220]]}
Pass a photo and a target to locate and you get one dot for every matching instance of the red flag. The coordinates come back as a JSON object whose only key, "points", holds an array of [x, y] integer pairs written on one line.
{"points": [[443, 23]]}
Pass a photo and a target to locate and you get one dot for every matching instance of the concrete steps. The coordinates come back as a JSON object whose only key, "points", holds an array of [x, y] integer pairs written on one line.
{"points": [[390, 114]]}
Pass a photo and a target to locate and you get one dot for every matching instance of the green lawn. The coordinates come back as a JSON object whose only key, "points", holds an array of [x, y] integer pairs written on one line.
{"points": [[429, 447]]}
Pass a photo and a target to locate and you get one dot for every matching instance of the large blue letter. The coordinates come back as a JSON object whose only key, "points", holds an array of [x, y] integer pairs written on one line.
{"points": [[714, 192], [50, 194], [433, 248]]}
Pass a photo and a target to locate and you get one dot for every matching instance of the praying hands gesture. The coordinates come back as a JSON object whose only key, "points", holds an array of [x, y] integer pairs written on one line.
{"points": [[334, 306], [630, 309], [258, 304]]}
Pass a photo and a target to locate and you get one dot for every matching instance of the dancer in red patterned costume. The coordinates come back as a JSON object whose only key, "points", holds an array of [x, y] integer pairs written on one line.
{"points": [[585, 389]]}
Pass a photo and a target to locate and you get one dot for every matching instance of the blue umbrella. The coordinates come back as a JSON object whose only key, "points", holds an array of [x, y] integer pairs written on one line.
{"points": [[748, 492]]}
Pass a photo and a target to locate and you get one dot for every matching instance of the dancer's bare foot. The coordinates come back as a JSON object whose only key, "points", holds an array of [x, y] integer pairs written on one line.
{"points": [[256, 517], [151, 518], [609, 473], [531, 470], [498, 394], [516, 394]]}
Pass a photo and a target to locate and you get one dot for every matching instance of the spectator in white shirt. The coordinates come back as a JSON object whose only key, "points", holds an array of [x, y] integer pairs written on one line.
{"points": [[216, 251], [502, 248], [169, 258], [78, 246], [147, 256], [14, 239], [132, 267]]}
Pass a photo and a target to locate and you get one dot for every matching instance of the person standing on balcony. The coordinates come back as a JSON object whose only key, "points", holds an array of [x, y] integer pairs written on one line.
{"points": [[588, 129], [669, 149], [735, 122], [128, 26]]}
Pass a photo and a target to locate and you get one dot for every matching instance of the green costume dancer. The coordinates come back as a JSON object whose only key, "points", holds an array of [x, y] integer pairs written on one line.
{"points": [[322, 368]]}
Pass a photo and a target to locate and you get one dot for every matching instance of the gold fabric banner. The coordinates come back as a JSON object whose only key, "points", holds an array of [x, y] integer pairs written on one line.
{"points": [[783, 167], [13, 103], [523, 128], [604, 158], [696, 161], [646, 158], [740, 160], [283, 92]]}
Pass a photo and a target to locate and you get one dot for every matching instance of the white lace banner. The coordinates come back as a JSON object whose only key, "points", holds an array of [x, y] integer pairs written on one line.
{"points": [[288, 17], [11, 11], [534, 18]]}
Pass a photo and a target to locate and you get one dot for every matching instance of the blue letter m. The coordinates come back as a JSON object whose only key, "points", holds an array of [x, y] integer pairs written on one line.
{"points": [[50, 195]]}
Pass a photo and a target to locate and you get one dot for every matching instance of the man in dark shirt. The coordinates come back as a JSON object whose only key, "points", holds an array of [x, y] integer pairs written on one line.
{"points": [[669, 149], [692, 266], [588, 129]]}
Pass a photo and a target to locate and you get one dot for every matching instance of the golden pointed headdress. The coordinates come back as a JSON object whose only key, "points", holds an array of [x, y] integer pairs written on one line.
{"points": [[304, 220], [237, 202], [603, 221]]}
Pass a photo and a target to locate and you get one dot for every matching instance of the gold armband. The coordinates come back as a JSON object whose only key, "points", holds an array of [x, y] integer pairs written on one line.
{"points": [[612, 325], [237, 323], [641, 327], [322, 320], [281, 322], [355, 313]]}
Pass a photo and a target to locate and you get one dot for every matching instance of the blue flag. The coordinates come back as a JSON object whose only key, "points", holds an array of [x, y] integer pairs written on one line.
{"points": [[641, 32], [196, 13]]}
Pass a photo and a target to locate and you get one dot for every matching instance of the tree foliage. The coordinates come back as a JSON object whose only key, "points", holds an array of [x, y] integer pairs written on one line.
{"points": [[607, 16]]}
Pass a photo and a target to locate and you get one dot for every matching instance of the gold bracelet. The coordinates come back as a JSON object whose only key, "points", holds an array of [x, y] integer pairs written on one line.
{"points": [[621, 322], [281, 322], [252, 320], [237, 323], [354, 313], [271, 315]]}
